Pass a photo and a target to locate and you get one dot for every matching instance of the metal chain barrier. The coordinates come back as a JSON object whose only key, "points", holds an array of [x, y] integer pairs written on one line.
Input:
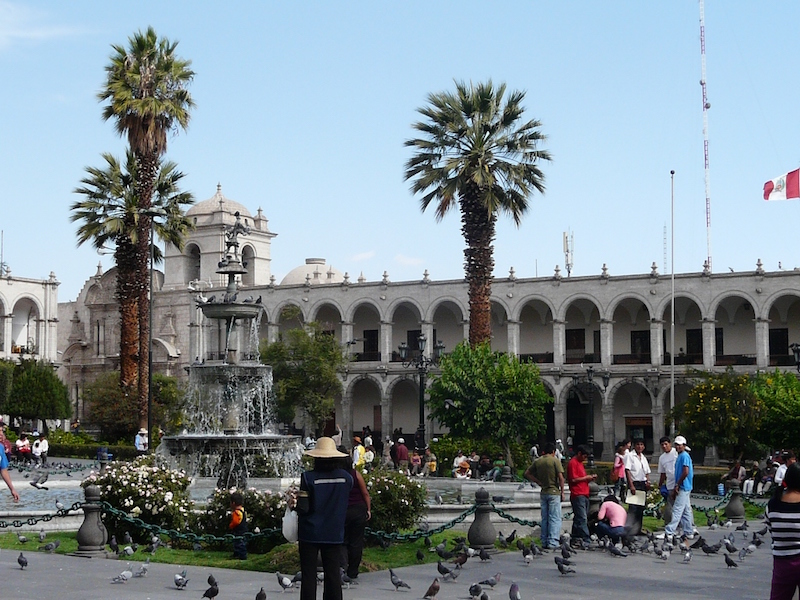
{"points": [[517, 520], [419, 533], [21, 467], [32, 521]]}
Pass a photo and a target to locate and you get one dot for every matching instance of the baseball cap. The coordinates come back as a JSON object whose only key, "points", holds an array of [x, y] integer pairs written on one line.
{"points": [[682, 441]]}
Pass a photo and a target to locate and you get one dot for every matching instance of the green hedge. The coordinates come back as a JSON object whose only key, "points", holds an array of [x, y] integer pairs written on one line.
{"points": [[90, 451]]}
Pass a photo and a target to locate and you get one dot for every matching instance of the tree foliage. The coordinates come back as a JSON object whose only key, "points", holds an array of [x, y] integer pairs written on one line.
{"points": [[477, 154], [37, 393], [305, 367], [485, 394], [116, 413], [722, 409], [780, 421]]}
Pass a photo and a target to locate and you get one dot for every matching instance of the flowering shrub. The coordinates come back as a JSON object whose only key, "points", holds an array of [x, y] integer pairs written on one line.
{"points": [[264, 511], [397, 501], [141, 488]]}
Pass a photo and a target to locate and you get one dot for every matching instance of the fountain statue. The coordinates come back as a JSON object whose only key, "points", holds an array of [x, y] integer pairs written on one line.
{"points": [[230, 430]]}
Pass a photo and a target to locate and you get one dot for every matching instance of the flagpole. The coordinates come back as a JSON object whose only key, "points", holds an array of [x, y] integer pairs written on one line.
{"points": [[672, 305]]}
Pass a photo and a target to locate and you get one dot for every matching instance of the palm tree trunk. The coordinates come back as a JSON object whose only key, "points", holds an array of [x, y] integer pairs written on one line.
{"points": [[148, 167], [478, 228], [128, 299]]}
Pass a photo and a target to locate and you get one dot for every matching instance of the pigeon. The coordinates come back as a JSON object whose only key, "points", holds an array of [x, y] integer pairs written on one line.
{"points": [[50, 547], [397, 582], [258, 300], [562, 561], [346, 581], [511, 536], [124, 576], [420, 556], [438, 498], [298, 578], [127, 539], [427, 541], [484, 555], [742, 553], [22, 561], [262, 595], [503, 541], [126, 551], [383, 543], [443, 571], [112, 543], [211, 592], [180, 580], [513, 592], [616, 552], [730, 562], [39, 481], [433, 589], [445, 554], [492, 581], [698, 544], [729, 545], [709, 549], [60, 505], [461, 559], [284, 581], [527, 555], [565, 570], [762, 531], [142, 570], [475, 590], [22, 539], [688, 556], [212, 580], [484, 596], [42, 535], [742, 527]]}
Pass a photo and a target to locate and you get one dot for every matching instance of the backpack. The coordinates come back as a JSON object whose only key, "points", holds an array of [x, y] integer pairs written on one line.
{"points": [[614, 476]]}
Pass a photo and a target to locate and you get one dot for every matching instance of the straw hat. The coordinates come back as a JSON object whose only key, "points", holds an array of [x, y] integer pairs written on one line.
{"points": [[143, 431], [325, 448], [464, 464]]}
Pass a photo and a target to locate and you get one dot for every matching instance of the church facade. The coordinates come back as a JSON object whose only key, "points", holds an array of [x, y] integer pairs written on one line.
{"points": [[602, 342]]}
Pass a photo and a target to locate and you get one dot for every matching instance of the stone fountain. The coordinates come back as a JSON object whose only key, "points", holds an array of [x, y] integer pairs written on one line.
{"points": [[230, 432]]}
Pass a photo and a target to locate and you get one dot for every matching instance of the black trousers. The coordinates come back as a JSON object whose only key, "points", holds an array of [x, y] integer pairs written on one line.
{"points": [[331, 558], [353, 547]]}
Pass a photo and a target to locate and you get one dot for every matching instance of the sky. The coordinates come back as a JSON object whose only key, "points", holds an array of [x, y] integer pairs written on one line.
{"points": [[303, 109]]}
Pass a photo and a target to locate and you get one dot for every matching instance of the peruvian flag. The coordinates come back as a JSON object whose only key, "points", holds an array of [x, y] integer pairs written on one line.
{"points": [[783, 187]]}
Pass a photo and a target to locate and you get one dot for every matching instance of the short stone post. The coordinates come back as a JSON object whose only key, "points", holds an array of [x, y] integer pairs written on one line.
{"points": [[735, 508], [505, 475], [481, 533], [102, 458], [92, 536]]}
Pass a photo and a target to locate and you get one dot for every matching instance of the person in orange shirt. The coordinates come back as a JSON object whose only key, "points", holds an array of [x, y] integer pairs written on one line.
{"points": [[238, 525]]}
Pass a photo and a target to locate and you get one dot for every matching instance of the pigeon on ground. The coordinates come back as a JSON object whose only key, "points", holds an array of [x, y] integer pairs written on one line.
{"points": [[298, 578], [22, 539], [443, 571], [211, 592], [698, 544], [513, 592], [112, 543], [284, 581], [730, 562], [50, 547], [39, 481], [397, 582], [492, 581], [484, 595], [420, 556], [180, 580], [60, 505], [512, 536], [262, 595], [444, 554], [616, 552], [688, 556], [126, 551], [212, 580], [742, 527], [484, 555], [565, 570], [124, 576], [729, 545], [709, 549], [433, 589], [742, 553], [142, 570], [475, 590], [527, 555], [22, 561], [346, 581], [460, 560], [42, 536], [762, 531], [427, 541], [127, 539]]}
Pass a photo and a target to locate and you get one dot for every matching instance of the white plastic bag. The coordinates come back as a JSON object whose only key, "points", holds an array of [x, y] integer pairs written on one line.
{"points": [[290, 525]]}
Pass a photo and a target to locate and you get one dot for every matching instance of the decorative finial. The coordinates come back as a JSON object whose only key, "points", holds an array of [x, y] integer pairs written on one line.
{"points": [[759, 267], [706, 268], [272, 281], [426, 277], [557, 274], [346, 280], [385, 279], [99, 269], [512, 275], [604, 273], [361, 278], [654, 270]]}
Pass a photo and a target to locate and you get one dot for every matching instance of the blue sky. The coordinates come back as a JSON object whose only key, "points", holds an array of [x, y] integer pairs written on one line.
{"points": [[303, 108]]}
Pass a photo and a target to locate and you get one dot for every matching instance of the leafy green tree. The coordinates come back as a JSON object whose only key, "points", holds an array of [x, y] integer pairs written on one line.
{"points": [[37, 393], [780, 422], [116, 412], [110, 214], [482, 394], [147, 97], [305, 367], [6, 380], [722, 409], [475, 152]]}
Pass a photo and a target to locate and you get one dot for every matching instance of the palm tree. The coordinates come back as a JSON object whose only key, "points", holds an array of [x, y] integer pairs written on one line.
{"points": [[475, 151], [110, 214], [147, 97]]}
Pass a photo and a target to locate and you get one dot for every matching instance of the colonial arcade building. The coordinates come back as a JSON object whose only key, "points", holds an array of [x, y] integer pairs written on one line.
{"points": [[602, 342]]}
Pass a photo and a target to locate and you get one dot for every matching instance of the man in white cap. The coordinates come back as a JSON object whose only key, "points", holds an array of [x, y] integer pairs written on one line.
{"points": [[684, 475], [140, 441]]}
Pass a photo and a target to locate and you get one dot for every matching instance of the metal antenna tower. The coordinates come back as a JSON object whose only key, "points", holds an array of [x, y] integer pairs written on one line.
{"points": [[706, 106], [569, 245]]}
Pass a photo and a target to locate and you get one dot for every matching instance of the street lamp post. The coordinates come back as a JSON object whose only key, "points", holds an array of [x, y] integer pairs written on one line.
{"points": [[795, 348], [422, 364]]}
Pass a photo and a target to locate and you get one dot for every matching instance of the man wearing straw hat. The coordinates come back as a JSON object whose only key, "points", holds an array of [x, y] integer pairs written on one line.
{"points": [[140, 441], [321, 511]]}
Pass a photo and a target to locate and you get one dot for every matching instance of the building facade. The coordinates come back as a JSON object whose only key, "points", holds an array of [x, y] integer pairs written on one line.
{"points": [[28, 318], [602, 342]]}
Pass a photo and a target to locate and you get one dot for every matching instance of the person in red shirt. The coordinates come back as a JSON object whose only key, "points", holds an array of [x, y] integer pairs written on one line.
{"points": [[579, 493]]}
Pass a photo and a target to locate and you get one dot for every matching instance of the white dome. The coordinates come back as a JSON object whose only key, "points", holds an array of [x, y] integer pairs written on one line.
{"points": [[316, 271], [218, 203]]}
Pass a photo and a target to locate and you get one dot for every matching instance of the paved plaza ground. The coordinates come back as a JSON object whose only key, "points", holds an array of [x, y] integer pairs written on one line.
{"points": [[599, 576]]}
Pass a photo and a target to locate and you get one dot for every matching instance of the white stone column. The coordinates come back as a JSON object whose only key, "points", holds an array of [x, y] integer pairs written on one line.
{"points": [[272, 332], [762, 343], [426, 327], [387, 422], [7, 329], [656, 343], [606, 342], [709, 343], [386, 341], [347, 417], [513, 336], [560, 414], [608, 429], [559, 346], [347, 332], [465, 327]]}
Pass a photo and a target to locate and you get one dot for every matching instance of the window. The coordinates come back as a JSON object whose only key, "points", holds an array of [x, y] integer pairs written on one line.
{"points": [[576, 345], [720, 350], [640, 343], [694, 342], [370, 340], [779, 342]]}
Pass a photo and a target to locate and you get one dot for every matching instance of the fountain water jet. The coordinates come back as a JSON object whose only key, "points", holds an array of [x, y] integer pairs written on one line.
{"points": [[231, 432]]}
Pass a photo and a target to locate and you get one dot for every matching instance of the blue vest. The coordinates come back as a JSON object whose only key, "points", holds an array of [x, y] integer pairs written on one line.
{"points": [[328, 493]]}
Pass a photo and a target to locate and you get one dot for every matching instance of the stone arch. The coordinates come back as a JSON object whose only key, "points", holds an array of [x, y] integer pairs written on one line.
{"points": [[406, 319], [366, 320], [735, 331], [405, 406], [581, 316], [535, 316], [284, 325], [583, 402], [249, 263], [448, 323], [499, 321], [689, 319], [192, 261], [366, 402], [633, 412], [631, 338], [626, 299], [783, 323], [452, 302], [350, 313], [405, 302], [26, 316]]}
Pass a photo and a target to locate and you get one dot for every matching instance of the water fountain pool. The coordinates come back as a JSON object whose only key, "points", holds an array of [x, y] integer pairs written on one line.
{"points": [[231, 433]]}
